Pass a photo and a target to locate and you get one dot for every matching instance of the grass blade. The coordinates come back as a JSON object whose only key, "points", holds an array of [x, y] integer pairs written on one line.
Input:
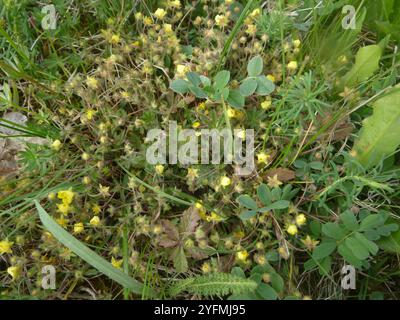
{"points": [[87, 254]]}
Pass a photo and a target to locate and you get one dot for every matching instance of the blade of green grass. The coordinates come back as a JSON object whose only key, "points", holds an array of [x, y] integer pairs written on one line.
{"points": [[86, 254]]}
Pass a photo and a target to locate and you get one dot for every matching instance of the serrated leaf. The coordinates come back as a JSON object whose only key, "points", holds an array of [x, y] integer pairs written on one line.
{"points": [[264, 194], [371, 221], [264, 86], [324, 249], [180, 86], [247, 202], [333, 230], [194, 78], [87, 254], [199, 93], [349, 220], [280, 204], [357, 248], [391, 243], [235, 99], [248, 87], [347, 254], [369, 245], [248, 214], [255, 66], [266, 292], [180, 260], [366, 64], [380, 135], [222, 79]]}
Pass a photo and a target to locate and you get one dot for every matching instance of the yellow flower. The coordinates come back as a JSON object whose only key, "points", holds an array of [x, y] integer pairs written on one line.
{"points": [[263, 157], [104, 190], [78, 227], [90, 113], [147, 21], [274, 182], [66, 196], [343, 59], [206, 267], [242, 255], [167, 28], [228, 1], [116, 263], [56, 145], [192, 173], [86, 180], [266, 104], [115, 38], [251, 29], [296, 43], [292, 65], [5, 246], [175, 4], [92, 82], [300, 219], [310, 243], [63, 208], [292, 229], [225, 181], [62, 221], [195, 125], [160, 169], [51, 196], [96, 209], [160, 13], [14, 272], [181, 70], [95, 221], [231, 113], [221, 20], [214, 217], [255, 13], [271, 77]]}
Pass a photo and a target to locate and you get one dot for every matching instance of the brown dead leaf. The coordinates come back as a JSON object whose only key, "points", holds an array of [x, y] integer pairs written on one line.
{"points": [[283, 174], [170, 237], [189, 221]]}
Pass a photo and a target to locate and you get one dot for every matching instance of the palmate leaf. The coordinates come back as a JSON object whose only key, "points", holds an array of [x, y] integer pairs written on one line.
{"points": [[87, 254], [380, 135]]}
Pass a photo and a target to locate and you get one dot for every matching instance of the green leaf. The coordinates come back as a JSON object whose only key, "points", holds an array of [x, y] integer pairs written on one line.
{"points": [[248, 87], [391, 243], [266, 292], [325, 248], [277, 282], [347, 254], [333, 230], [255, 66], [349, 220], [235, 99], [180, 86], [222, 79], [367, 63], [194, 78], [248, 214], [380, 135], [180, 261], [264, 194], [199, 93], [371, 221], [205, 81], [369, 245], [357, 248], [281, 204], [247, 202], [87, 254], [264, 86]]}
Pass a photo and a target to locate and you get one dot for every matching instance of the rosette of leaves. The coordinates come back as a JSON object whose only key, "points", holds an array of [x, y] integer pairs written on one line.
{"points": [[275, 199], [356, 240], [218, 88], [174, 238]]}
